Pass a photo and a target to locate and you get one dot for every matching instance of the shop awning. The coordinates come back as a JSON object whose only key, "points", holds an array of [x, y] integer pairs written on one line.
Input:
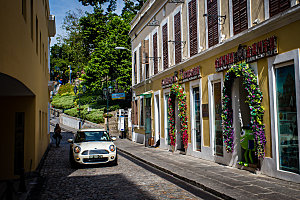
{"points": [[146, 94]]}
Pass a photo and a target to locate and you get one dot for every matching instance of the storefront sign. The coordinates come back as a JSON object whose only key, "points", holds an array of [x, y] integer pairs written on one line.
{"points": [[258, 50], [181, 77]]}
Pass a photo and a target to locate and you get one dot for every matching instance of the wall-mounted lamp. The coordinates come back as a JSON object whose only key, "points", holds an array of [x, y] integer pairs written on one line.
{"points": [[221, 19], [176, 42], [176, 1], [154, 23]]}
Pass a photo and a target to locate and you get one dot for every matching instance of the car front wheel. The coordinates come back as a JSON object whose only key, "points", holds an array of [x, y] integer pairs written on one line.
{"points": [[115, 161], [73, 164]]}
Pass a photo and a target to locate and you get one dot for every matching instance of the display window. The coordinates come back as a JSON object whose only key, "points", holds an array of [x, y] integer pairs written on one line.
{"points": [[287, 118], [196, 118], [217, 110]]}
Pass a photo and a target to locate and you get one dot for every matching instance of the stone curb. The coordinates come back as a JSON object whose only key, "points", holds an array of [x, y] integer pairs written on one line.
{"points": [[192, 182]]}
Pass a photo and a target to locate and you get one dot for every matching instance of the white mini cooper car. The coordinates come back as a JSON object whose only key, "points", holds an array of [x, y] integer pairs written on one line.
{"points": [[92, 146]]}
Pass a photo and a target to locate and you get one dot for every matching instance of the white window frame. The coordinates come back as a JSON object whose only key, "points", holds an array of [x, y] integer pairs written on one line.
{"points": [[193, 84], [152, 60], [188, 28], [144, 65], [248, 15], [157, 93], [138, 63], [206, 23], [272, 62], [165, 21], [176, 11], [212, 79], [133, 76]]}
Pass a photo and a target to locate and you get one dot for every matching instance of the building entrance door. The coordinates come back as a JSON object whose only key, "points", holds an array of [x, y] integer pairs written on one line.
{"points": [[148, 120]]}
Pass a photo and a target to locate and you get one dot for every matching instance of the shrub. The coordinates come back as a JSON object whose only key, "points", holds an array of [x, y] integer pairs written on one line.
{"points": [[66, 89], [114, 107], [63, 102], [95, 116]]}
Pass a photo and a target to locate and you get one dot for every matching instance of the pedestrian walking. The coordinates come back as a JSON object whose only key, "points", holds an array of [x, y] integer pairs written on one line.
{"points": [[57, 135]]}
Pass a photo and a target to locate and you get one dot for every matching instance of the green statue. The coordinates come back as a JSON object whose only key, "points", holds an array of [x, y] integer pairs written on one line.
{"points": [[247, 143]]}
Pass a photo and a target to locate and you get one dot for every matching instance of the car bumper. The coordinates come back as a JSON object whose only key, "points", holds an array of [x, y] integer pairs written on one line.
{"points": [[94, 159]]}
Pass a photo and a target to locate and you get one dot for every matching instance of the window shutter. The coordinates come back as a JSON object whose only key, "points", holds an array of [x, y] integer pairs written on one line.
{"points": [[277, 6], [240, 17], [141, 64], [165, 46], [135, 68], [135, 113], [193, 28], [155, 54], [213, 29], [177, 34], [145, 47]]}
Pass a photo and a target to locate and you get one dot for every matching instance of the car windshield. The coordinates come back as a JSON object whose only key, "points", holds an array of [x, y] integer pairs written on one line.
{"points": [[87, 136]]}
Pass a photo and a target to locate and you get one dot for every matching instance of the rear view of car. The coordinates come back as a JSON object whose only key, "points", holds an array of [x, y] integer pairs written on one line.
{"points": [[92, 146]]}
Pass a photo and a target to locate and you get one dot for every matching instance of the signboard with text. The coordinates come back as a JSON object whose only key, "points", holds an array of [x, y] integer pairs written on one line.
{"points": [[258, 50], [115, 96]]}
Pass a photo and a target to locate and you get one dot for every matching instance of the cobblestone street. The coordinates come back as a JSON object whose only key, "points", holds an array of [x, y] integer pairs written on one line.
{"points": [[128, 180]]}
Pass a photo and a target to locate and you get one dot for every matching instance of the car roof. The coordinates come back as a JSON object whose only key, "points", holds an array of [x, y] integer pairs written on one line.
{"points": [[91, 129]]}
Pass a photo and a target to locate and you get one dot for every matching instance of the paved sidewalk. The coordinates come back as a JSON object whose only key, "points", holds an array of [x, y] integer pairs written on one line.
{"points": [[223, 181]]}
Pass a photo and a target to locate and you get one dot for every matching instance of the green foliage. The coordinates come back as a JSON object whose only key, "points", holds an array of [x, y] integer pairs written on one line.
{"points": [[96, 115], [114, 107], [66, 89], [63, 102]]}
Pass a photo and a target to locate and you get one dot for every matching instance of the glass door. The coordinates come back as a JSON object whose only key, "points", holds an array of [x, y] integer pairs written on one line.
{"points": [[288, 138], [196, 120]]}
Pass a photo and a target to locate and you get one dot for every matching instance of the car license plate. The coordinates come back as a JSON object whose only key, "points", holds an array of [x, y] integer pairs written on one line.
{"points": [[96, 156]]}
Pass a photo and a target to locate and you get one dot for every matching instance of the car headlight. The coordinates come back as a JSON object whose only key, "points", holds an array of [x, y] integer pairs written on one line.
{"points": [[77, 149], [112, 148]]}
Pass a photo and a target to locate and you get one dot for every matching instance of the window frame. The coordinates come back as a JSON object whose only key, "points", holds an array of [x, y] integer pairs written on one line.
{"points": [[175, 12], [194, 84], [165, 21], [206, 24], [279, 60], [188, 27], [157, 49]]}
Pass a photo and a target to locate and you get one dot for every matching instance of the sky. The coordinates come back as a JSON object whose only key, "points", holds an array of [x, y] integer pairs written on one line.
{"points": [[60, 7]]}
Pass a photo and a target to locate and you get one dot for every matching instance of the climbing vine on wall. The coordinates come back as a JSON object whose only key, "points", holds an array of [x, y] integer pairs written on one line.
{"points": [[254, 100], [177, 92]]}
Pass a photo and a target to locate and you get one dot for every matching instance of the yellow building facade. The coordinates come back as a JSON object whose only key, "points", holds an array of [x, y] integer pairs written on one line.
{"points": [[26, 28], [205, 47]]}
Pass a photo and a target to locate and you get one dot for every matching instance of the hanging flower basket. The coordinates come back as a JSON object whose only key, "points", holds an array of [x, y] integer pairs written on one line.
{"points": [[177, 92], [254, 100]]}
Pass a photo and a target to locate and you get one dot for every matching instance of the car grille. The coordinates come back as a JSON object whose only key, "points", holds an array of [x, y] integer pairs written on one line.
{"points": [[98, 151], [93, 160]]}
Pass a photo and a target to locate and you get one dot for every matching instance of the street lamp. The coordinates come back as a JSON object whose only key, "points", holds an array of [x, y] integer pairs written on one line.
{"points": [[107, 93], [121, 48], [83, 89]]}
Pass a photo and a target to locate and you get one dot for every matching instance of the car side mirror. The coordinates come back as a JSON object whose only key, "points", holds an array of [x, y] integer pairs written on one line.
{"points": [[70, 140], [113, 138]]}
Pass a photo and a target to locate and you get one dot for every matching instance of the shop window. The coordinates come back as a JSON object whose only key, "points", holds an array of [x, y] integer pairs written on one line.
{"points": [[177, 34], [240, 18], [217, 123], [287, 118], [213, 30], [197, 118], [155, 53], [278, 6], [135, 113], [165, 46], [24, 9], [193, 36]]}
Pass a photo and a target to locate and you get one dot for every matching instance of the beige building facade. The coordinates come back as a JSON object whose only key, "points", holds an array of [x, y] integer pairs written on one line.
{"points": [[26, 28], [205, 47]]}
